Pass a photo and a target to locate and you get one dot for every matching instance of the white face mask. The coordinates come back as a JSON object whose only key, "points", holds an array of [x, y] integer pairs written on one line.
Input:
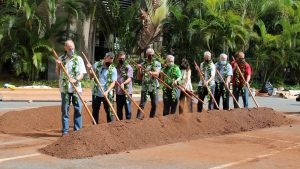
{"points": [[223, 62], [71, 52]]}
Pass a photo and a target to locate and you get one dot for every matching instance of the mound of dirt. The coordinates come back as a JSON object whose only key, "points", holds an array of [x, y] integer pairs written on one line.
{"points": [[136, 134], [46, 121]]}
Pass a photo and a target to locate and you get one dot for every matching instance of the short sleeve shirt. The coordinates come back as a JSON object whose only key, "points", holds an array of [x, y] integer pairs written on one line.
{"points": [[149, 68], [223, 69], [69, 64], [168, 70], [103, 77], [206, 73], [247, 73], [120, 79]]}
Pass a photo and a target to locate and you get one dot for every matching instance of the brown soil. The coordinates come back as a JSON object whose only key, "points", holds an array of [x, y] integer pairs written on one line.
{"points": [[46, 121], [136, 134]]}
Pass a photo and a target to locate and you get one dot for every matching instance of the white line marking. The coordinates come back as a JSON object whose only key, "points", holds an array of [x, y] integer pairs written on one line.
{"points": [[12, 108], [254, 158], [23, 141], [19, 157], [251, 136]]}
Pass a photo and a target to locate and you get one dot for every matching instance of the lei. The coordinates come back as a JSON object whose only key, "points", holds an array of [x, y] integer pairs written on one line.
{"points": [[149, 80], [224, 77], [65, 81], [206, 67], [109, 81], [237, 74], [124, 72], [171, 72]]}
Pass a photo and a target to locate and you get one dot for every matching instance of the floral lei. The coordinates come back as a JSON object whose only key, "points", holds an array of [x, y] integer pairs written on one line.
{"points": [[125, 76], [237, 74], [171, 72], [224, 77], [148, 80], [109, 81], [206, 66], [65, 81]]}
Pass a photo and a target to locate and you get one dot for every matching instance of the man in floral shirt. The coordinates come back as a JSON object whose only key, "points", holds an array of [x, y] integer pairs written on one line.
{"points": [[76, 69], [171, 96], [209, 70], [125, 74], [225, 70], [107, 75], [149, 83]]}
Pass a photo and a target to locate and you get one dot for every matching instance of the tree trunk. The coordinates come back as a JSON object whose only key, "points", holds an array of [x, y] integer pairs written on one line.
{"points": [[91, 41]]}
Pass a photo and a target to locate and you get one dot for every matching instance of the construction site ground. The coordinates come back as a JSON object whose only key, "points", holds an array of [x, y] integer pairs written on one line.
{"points": [[277, 147]]}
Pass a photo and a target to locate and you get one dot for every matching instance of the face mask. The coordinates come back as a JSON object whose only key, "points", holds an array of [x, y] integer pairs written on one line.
{"points": [[170, 64], [71, 52], [223, 62], [241, 60], [182, 66], [206, 60], [107, 64], [149, 57], [121, 62]]}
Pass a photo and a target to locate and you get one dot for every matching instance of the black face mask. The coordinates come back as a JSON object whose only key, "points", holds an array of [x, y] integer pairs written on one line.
{"points": [[149, 57], [121, 62], [182, 66], [107, 64], [206, 60], [241, 60]]}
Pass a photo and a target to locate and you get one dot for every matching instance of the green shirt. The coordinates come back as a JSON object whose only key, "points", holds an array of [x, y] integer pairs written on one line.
{"points": [[173, 72]]}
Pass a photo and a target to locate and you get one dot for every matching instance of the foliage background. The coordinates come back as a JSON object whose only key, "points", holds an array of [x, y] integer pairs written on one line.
{"points": [[267, 31]]}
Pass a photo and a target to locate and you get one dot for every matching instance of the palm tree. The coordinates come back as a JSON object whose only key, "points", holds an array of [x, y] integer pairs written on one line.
{"points": [[74, 14], [156, 11], [21, 19]]}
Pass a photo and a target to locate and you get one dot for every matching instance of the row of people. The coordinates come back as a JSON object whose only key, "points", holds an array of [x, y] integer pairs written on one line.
{"points": [[175, 78], [228, 71]]}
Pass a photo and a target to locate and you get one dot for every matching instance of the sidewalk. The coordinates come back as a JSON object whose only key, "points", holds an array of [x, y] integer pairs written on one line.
{"points": [[40, 94]]}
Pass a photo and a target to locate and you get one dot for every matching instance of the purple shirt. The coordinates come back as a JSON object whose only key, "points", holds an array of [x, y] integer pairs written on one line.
{"points": [[120, 79]]}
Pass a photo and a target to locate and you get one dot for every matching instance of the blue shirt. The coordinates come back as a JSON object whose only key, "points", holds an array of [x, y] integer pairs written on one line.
{"points": [[221, 69], [103, 77]]}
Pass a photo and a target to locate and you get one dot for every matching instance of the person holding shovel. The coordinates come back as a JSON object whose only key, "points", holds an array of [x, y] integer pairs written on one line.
{"points": [[149, 84], [187, 84], [209, 70], [238, 84], [171, 96], [124, 78], [76, 69], [225, 70], [107, 75]]}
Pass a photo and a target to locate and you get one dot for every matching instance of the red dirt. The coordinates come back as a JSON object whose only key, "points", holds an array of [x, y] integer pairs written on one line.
{"points": [[46, 121], [136, 134]]}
